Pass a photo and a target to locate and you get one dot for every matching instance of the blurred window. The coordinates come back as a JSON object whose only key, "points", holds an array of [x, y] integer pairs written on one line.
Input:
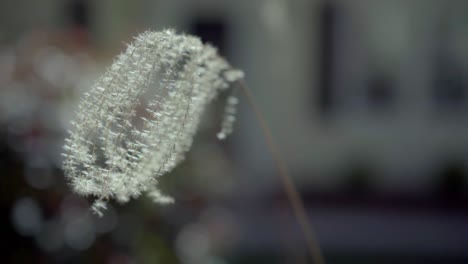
{"points": [[451, 178], [449, 86], [212, 30], [380, 91], [327, 21], [78, 13]]}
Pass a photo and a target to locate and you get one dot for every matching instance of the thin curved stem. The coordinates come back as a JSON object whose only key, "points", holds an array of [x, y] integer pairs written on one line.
{"points": [[289, 187]]}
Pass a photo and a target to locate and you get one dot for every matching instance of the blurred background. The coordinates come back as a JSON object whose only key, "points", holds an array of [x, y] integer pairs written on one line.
{"points": [[367, 99]]}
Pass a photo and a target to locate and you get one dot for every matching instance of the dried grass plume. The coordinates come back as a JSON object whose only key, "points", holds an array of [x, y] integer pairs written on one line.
{"points": [[138, 120]]}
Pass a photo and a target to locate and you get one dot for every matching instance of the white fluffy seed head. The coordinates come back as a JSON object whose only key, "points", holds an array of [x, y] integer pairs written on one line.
{"points": [[139, 119]]}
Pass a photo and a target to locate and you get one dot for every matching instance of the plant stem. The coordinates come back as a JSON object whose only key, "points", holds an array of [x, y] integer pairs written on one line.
{"points": [[288, 184]]}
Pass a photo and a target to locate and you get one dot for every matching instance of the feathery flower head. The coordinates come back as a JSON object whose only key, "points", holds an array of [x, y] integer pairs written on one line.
{"points": [[139, 119]]}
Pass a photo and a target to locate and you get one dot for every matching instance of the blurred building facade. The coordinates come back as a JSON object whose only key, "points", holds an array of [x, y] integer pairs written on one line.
{"points": [[375, 87]]}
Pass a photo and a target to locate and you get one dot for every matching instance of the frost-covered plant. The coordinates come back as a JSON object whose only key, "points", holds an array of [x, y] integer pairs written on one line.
{"points": [[139, 119]]}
